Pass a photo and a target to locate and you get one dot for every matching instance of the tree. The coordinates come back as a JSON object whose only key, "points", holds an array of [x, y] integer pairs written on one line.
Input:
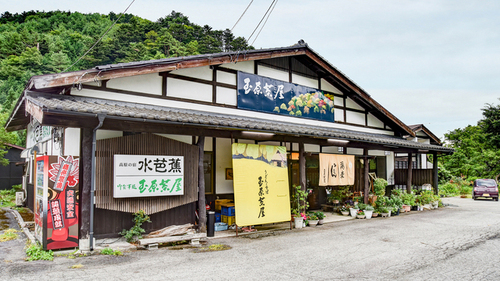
{"points": [[491, 124], [5, 138]]}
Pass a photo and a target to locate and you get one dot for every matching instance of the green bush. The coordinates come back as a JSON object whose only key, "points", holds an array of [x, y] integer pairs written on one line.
{"points": [[35, 253], [136, 231], [379, 185]]}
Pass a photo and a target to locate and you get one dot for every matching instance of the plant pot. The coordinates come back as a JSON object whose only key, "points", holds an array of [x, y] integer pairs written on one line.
{"points": [[313, 222], [360, 216], [386, 215], [335, 201], [345, 213], [435, 204], [353, 212], [374, 215], [427, 207], [396, 213], [298, 222], [368, 214], [320, 222]]}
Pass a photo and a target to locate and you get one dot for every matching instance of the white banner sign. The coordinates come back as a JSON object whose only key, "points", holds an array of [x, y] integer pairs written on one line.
{"points": [[336, 169], [148, 175]]}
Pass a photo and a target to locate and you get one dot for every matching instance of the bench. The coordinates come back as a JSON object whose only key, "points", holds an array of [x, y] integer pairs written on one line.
{"points": [[152, 243]]}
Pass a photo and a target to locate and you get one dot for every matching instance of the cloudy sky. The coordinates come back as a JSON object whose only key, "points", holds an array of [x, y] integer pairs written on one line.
{"points": [[435, 62]]}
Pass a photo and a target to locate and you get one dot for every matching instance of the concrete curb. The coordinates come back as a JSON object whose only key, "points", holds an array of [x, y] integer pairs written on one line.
{"points": [[22, 224]]}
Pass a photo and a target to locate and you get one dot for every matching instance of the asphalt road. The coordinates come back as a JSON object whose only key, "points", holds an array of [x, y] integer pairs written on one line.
{"points": [[460, 242]]}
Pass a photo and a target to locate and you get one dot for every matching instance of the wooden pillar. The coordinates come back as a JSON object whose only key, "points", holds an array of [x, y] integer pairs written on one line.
{"points": [[366, 189], [85, 181], [202, 211], [435, 172], [409, 178], [302, 166]]}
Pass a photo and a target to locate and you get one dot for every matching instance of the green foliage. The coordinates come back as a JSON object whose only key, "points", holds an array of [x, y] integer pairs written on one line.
{"points": [[35, 253], [320, 215], [111, 252], [379, 185], [8, 234], [339, 193], [136, 231], [298, 200], [408, 198], [8, 196]]}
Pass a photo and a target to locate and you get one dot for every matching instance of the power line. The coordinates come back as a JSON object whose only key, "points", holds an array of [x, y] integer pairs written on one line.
{"points": [[241, 15], [99, 40], [261, 20], [265, 22]]}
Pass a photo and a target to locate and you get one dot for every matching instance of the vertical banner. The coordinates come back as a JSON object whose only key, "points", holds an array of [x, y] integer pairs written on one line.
{"points": [[260, 177], [336, 169]]}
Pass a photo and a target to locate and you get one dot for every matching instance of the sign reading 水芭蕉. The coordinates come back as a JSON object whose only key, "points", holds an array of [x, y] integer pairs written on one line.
{"points": [[274, 96], [148, 175]]}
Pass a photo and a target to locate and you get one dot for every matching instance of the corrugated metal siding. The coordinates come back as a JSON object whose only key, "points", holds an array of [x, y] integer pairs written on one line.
{"points": [[143, 144]]}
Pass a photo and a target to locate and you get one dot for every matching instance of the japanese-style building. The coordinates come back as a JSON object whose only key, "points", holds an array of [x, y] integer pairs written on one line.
{"points": [[195, 108]]}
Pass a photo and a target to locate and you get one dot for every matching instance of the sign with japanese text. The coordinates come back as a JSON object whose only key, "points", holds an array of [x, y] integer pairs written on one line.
{"points": [[260, 178], [336, 169], [148, 175], [38, 133], [279, 97]]}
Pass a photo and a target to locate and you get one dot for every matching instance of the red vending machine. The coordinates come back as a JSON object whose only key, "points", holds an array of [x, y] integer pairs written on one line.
{"points": [[56, 202]]}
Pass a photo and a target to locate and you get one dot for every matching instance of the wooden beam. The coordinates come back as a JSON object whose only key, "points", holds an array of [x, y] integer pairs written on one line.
{"points": [[202, 211], [302, 166], [409, 179], [435, 178], [85, 181], [366, 177]]}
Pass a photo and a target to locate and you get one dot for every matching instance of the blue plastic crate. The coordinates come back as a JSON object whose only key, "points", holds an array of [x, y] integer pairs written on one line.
{"points": [[220, 226], [228, 211], [217, 217]]}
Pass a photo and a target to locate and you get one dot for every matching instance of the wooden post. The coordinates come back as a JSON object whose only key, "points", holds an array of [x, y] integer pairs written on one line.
{"points": [[202, 211], [86, 181], [409, 179], [435, 172], [302, 166], [366, 167]]}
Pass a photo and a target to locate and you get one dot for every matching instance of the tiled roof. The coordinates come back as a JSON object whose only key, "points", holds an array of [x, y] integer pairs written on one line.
{"points": [[72, 104]]}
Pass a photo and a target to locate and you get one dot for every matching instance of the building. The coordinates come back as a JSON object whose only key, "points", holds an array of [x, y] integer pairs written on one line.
{"points": [[195, 108], [12, 173]]}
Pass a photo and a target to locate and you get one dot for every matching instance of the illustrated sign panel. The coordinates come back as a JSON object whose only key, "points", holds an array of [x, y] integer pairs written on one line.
{"points": [[336, 169], [274, 96], [260, 178], [148, 175]]}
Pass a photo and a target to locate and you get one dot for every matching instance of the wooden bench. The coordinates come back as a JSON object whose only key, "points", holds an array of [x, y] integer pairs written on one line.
{"points": [[170, 239]]}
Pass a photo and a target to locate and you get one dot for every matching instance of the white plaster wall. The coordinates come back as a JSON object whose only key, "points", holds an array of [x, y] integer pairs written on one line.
{"points": [[217, 109], [147, 83], [326, 86], [351, 104], [355, 118], [354, 151], [275, 143], [301, 80], [390, 168], [339, 114], [331, 149], [338, 101], [72, 141], [202, 72], [223, 160], [189, 90], [374, 121], [107, 134], [427, 141], [225, 77], [376, 152], [311, 147], [272, 73], [246, 66], [226, 96], [181, 138], [421, 134]]}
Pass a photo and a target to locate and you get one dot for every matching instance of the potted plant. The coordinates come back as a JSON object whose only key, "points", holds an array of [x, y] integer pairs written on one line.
{"points": [[375, 213], [320, 216], [408, 201], [360, 214], [379, 185], [344, 210], [312, 219], [368, 210], [385, 212], [354, 210], [299, 205]]}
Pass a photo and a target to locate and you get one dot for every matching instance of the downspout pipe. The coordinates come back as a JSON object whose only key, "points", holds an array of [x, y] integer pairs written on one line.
{"points": [[101, 118]]}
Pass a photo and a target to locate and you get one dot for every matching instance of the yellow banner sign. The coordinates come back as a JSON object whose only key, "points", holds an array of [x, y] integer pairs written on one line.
{"points": [[336, 169], [260, 177]]}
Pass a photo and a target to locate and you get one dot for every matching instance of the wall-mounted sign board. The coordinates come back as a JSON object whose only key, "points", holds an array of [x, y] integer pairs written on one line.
{"points": [[148, 175]]}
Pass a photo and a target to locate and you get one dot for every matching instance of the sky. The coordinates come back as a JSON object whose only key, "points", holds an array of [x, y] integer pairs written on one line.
{"points": [[431, 62]]}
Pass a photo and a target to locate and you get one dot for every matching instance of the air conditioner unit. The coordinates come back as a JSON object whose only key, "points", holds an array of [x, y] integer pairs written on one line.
{"points": [[19, 198]]}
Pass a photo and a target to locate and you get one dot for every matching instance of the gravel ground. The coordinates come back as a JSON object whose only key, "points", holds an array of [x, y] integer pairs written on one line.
{"points": [[459, 242]]}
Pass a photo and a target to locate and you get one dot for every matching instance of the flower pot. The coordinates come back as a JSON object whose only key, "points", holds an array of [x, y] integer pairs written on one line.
{"points": [[386, 215], [407, 208], [313, 222], [298, 222], [320, 222], [360, 216], [368, 214], [335, 201], [353, 212], [345, 213], [435, 204], [374, 215]]}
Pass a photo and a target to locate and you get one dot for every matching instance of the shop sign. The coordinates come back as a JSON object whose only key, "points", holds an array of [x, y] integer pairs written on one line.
{"points": [[279, 97], [260, 178], [148, 175], [38, 133], [336, 169]]}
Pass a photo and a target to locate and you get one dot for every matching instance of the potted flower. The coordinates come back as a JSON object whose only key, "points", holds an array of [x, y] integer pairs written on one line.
{"points": [[368, 210], [354, 210], [360, 214], [344, 210], [299, 205], [312, 219], [320, 216]]}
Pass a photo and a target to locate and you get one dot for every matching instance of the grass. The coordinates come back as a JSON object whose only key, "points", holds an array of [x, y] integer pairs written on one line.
{"points": [[213, 248], [76, 266], [34, 252], [9, 234], [111, 252]]}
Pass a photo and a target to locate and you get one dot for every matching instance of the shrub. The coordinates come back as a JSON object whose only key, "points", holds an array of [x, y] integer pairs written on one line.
{"points": [[35, 253], [379, 185], [136, 231]]}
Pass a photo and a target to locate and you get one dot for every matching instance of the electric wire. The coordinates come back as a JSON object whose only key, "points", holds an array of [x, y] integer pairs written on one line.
{"points": [[249, 37], [241, 15], [102, 36], [256, 36]]}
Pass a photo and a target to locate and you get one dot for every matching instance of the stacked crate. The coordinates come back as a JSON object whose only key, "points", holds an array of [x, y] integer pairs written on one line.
{"points": [[227, 210], [218, 203]]}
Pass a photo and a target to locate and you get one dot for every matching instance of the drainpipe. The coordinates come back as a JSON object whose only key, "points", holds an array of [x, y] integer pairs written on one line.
{"points": [[92, 187]]}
